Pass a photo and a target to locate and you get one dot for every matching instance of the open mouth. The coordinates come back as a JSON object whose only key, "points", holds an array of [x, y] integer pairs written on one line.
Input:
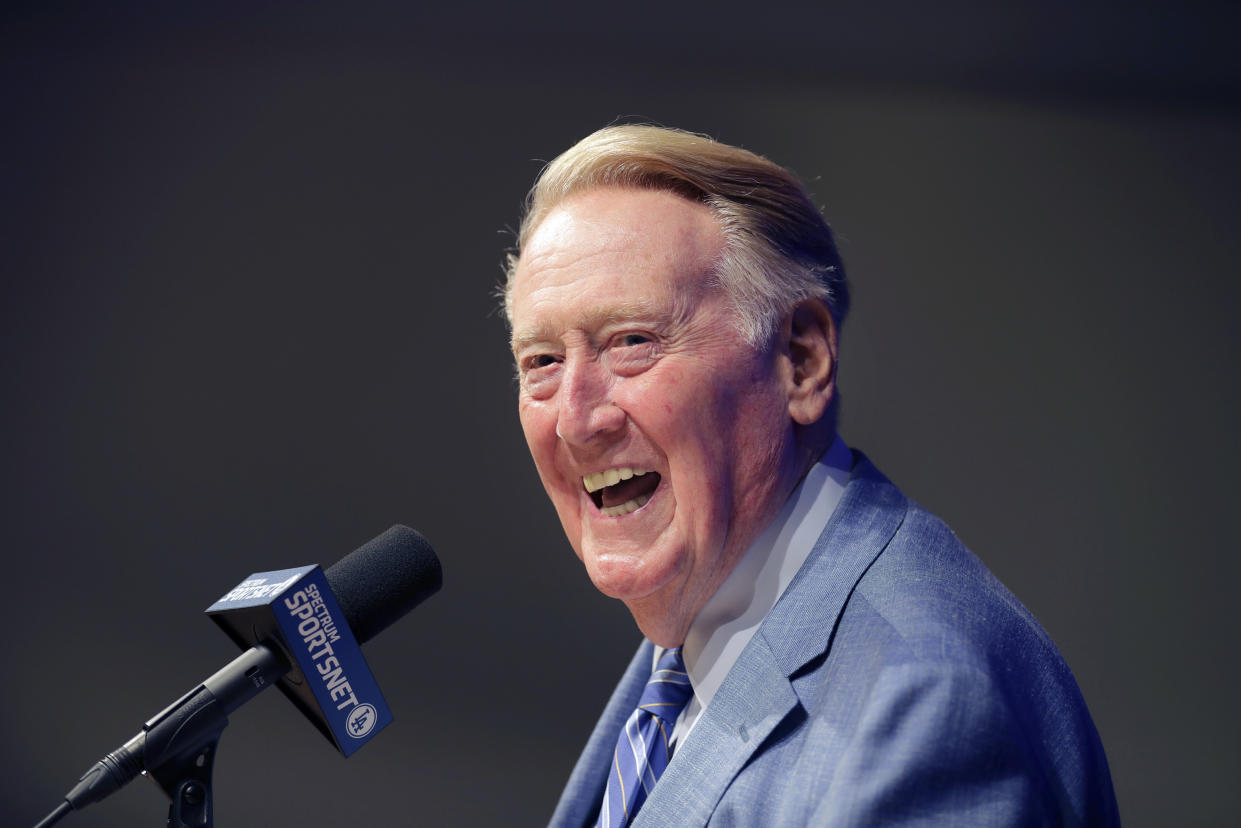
{"points": [[620, 491]]}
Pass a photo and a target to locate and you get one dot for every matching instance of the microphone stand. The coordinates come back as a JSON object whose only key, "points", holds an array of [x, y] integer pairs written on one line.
{"points": [[177, 746]]}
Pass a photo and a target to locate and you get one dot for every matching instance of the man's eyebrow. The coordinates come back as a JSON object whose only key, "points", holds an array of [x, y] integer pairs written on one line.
{"points": [[655, 314]]}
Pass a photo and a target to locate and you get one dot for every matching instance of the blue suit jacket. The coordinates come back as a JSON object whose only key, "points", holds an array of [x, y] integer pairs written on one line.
{"points": [[896, 681]]}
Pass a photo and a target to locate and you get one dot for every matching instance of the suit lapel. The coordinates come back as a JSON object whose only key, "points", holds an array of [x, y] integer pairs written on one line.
{"points": [[758, 693], [799, 628], [753, 699]]}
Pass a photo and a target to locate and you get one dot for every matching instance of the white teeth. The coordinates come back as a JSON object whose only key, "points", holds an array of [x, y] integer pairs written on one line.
{"points": [[626, 507], [597, 480]]}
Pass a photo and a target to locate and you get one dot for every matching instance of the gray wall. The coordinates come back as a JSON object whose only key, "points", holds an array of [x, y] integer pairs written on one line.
{"points": [[247, 259]]}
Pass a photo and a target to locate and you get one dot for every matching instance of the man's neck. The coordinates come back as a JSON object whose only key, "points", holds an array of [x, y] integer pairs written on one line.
{"points": [[728, 621]]}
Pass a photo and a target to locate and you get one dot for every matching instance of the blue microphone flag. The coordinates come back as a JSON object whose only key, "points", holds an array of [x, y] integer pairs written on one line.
{"points": [[295, 611]]}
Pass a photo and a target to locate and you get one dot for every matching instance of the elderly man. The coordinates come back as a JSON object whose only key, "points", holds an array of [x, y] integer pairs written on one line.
{"points": [[818, 649]]}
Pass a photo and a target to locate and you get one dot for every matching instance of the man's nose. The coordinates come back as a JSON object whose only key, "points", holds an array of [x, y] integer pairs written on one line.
{"points": [[586, 413]]}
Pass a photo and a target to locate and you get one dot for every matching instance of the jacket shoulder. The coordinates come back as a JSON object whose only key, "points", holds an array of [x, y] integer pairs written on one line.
{"points": [[930, 640]]}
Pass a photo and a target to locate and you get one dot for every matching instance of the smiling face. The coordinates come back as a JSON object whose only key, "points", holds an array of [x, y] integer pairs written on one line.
{"points": [[664, 441]]}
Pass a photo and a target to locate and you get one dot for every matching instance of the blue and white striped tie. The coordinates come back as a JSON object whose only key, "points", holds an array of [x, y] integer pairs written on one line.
{"points": [[642, 751]]}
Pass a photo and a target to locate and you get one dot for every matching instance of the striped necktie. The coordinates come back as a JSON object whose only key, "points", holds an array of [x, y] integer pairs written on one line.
{"points": [[642, 751]]}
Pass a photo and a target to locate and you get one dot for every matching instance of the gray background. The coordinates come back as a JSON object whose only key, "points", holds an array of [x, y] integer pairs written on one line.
{"points": [[247, 259]]}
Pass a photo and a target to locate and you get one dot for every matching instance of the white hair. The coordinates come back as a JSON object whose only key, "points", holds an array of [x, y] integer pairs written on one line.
{"points": [[778, 250]]}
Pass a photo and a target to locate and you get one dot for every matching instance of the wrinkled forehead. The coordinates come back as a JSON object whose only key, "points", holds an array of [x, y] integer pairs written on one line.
{"points": [[650, 225], [614, 253]]}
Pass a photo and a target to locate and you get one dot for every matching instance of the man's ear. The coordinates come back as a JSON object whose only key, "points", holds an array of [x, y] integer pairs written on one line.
{"points": [[810, 343]]}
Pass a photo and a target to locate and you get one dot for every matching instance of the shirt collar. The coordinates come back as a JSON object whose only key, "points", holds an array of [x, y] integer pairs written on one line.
{"points": [[733, 614]]}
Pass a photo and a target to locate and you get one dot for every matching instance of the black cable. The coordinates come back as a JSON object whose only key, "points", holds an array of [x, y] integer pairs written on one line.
{"points": [[55, 816]]}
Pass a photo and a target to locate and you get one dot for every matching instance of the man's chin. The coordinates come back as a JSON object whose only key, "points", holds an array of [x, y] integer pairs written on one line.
{"points": [[653, 590], [631, 576]]}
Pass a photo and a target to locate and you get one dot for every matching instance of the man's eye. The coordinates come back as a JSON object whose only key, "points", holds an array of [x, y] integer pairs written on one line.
{"points": [[540, 361], [631, 339]]}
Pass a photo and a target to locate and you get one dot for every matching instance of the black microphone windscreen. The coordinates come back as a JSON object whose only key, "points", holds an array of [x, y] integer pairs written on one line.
{"points": [[383, 579]]}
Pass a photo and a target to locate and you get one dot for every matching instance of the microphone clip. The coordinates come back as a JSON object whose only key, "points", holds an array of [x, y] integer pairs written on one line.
{"points": [[179, 743]]}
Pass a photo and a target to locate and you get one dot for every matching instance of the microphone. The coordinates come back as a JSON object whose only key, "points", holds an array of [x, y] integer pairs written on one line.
{"points": [[288, 620]]}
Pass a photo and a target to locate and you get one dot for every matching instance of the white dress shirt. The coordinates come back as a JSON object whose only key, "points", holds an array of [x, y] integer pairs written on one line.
{"points": [[730, 618]]}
